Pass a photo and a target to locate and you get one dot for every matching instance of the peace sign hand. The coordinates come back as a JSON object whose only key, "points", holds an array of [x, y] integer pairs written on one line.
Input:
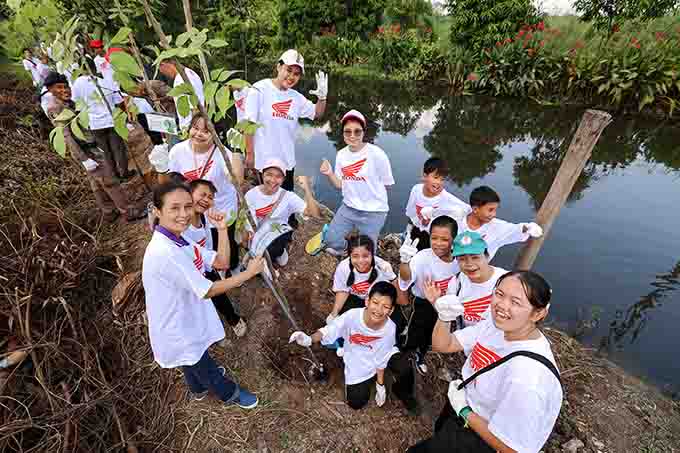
{"points": [[408, 250]]}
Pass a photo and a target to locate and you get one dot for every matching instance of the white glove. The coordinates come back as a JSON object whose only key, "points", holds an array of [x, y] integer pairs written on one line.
{"points": [[234, 138], [330, 318], [321, 86], [90, 165], [427, 212], [457, 397], [408, 250], [449, 307], [159, 157], [380, 394], [534, 230], [301, 338]]}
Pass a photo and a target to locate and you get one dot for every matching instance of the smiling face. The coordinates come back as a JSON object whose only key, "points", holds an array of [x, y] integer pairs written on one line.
{"points": [[199, 134], [475, 267], [203, 197], [288, 75], [511, 310], [485, 213], [433, 184], [361, 258], [379, 307], [176, 213], [61, 91], [272, 178], [353, 133], [441, 241]]}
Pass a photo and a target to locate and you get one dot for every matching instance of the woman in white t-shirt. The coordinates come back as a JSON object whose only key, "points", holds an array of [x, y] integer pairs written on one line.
{"points": [[276, 107], [199, 158], [362, 172], [512, 407], [182, 326]]}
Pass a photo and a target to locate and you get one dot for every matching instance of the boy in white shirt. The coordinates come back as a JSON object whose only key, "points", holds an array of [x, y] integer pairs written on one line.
{"points": [[436, 265], [430, 199], [495, 232], [370, 348]]}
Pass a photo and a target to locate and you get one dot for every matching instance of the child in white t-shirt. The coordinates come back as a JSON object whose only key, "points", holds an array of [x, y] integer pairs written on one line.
{"points": [[370, 348], [199, 231], [271, 206], [429, 200], [362, 172], [476, 279], [435, 265], [495, 232]]}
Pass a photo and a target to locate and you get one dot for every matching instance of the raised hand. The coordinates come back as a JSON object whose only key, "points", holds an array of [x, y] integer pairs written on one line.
{"points": [[449, 307], [408, 250], [321, 86]]}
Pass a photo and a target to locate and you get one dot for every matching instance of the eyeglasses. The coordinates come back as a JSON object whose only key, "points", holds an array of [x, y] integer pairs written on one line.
{"points": [[354, 132]]}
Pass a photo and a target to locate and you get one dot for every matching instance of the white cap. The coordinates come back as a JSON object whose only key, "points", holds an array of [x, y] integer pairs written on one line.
{"points": [[354, 115], [275, 163], [292, 57]]}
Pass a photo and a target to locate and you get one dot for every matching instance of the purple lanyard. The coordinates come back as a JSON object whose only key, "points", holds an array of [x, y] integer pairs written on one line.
{"points": [[178, 240]]}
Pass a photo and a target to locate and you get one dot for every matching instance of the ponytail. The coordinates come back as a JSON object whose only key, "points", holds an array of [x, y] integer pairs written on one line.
{"points": [[355, 240]]}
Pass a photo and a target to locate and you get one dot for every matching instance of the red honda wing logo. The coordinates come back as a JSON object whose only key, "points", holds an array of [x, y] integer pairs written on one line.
{"points": [[196, 172], [361, 289], [202, 242], [482, 357], [264, 212], [423, 220], [443, 285], [198, 259], [239, 103], [474, 309], [362, 340], [281, 109], [350, 172]]}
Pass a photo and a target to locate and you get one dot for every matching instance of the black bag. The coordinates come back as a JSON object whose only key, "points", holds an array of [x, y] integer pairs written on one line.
{"points": [[531, 355]]}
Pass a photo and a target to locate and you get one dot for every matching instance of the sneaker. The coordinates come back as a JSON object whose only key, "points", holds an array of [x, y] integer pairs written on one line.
{"points": [[335, 345], [283, 259], [246, 399], [420, 364], [340, 352], [240, 328]]}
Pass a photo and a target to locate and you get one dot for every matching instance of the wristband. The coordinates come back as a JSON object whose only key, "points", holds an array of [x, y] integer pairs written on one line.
{"points": [[465, 414]]}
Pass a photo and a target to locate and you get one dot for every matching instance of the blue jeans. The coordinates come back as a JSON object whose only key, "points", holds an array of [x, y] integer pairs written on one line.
{"points": [[204, 375], [346, 219]]}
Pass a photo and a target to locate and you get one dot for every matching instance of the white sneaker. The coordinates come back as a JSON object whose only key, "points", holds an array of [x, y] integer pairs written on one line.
{"points": [[283, 259], [340, 352]]}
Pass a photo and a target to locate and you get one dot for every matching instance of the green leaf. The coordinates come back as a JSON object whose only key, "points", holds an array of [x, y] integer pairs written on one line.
{"points": [[222, 74], [125, 81], [57, 140], [209, 92], [84, 118], [238, 84], [247, 127], [76, 130], [183, 107], [166, 55], [216, 43], [183, 88], [194, 100], [122, 36], [123, 62], [182, 39], [120, 123], [65, 116], [198, 40], [222, 99]]}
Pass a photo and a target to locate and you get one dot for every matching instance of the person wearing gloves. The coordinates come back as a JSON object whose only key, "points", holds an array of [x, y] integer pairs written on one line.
{"points": [[354, 276], [475, 281], [182, 326], [362, 171], [430, 198], [435, 265], [495, 232], [511, 394], [109, 195], [169, 69], [199, 158], [276, 106], [369, 336]]}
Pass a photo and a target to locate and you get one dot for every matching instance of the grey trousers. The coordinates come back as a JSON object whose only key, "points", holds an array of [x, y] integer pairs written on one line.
{"points": [[346, 219]]}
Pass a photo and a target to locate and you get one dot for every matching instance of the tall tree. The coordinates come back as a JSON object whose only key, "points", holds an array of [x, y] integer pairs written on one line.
{"points": [[604, 14]]}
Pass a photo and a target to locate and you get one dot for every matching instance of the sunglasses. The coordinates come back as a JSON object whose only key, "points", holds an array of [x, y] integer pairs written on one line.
{"points": [[354, 132]]}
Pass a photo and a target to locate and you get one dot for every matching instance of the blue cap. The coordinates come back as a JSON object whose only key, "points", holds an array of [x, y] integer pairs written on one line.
{"points": [[468, 243]]}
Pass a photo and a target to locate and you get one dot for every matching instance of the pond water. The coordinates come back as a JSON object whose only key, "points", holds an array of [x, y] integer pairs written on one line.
{"points": [[613, 255]]}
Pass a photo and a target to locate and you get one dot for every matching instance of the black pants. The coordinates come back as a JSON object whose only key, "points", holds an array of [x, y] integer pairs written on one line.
{"points": [[403, 387], [420, 328], [450, 436], [423, 238], [233, 245], [222, 302], [352, 301], [278, 245]]}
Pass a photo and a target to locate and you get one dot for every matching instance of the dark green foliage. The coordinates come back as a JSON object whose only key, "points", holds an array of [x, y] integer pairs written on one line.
{"points": [[610, 14]]}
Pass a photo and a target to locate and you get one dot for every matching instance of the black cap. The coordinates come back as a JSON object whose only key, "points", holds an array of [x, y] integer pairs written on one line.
{"points": [[54, 78]]}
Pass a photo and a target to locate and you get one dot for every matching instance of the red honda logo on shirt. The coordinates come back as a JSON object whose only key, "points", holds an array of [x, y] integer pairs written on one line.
{"points": [[443, 285], [202, 242], [424, 221], [196, 172], [482, 357], [362, 340], [361, 288], [280, 109], [350, 172], [474, 309], [264, 212], [198, 259], [239, 103]]}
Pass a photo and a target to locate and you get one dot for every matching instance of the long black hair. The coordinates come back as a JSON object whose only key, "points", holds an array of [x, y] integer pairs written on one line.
{"points": [[360, 240]]}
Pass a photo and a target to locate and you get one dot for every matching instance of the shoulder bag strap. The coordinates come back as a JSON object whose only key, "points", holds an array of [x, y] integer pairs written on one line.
{"points": [[531, 355], [276, 205]]}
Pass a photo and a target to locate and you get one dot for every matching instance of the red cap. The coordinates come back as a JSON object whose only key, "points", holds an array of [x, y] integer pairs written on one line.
{"points": [[96, 44]]}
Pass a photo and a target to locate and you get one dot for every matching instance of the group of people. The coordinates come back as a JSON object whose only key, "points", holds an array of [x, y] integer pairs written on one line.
{"points": [[446, 296]]}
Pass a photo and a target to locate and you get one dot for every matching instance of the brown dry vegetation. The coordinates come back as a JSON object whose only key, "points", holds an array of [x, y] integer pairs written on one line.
{"points": [[92, 384]]}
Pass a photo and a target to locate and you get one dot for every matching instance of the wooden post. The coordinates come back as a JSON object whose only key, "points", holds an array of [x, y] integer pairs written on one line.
{"points": [[580, 149]]}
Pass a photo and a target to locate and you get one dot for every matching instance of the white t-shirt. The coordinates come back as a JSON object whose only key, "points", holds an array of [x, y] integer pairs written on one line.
{"points": [[521, 398], [361, 285], [426, 265], [183, 160], [101, 64], [200, 235], [84, 89], [441, 203], [364, 175], [366, 350], [278, 112], [240, 103], [476, 297], [197, 84], [261, 204], [496, 233], [45, 99], [32, 67], [182, 324]]}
